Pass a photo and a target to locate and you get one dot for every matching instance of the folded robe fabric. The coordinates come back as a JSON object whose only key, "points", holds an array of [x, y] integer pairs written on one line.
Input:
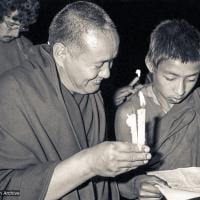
{"points": [[13, 53], [39, 128], [177, 137]]}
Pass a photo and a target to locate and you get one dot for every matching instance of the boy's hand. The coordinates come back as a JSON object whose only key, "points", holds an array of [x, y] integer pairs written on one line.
{"points": [[145, 186]]}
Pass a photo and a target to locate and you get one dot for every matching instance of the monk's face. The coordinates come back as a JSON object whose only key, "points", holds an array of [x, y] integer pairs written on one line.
{"points": [[84, 72], [174, 80]]}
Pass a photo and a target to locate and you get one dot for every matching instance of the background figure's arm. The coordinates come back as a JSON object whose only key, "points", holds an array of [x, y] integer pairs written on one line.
{"points": [[123, 93]]}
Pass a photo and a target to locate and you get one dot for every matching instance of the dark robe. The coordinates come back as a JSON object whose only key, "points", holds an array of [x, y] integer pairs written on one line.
{"points": [[40, 125], [13, 53], [174, 138], [178, 136]]}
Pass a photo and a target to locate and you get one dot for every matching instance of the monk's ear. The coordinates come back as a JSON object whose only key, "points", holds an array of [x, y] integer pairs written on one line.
{"points": [[149, 65], [59, 53]]}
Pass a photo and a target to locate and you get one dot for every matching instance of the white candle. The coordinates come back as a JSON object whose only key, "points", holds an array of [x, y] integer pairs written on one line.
{"points": [[141, 125], [131, 121], [141, 116]]}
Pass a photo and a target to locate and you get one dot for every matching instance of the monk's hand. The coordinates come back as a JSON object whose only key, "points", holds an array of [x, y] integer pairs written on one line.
{"points": [[145, 187], [124, 92], [113, 158]]}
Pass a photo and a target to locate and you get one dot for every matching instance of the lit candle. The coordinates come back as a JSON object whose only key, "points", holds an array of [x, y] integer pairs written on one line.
{"points": [[141, 115]]}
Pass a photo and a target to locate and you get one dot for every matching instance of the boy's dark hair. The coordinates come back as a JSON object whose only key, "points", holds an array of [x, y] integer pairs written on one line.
{"points": [[174, 39], [28, 10]]}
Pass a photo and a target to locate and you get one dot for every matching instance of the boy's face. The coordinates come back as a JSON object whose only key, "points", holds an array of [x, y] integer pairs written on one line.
{"points": [[174, 80]]}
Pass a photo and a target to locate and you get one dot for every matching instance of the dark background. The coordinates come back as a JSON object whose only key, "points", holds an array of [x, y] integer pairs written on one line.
{"points": [[135, 20]]}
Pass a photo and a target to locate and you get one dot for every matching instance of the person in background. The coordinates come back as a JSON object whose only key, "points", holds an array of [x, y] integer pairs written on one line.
{"points": [[15, 17], [52, 120], [172, 106], [124, 93]]}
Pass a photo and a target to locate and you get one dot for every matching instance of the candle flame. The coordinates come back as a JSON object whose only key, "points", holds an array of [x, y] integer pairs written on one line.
{"points": [[138, 72]]}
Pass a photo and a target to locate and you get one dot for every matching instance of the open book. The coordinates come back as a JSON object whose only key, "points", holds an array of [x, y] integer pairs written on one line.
{"points": [[184, 183]]}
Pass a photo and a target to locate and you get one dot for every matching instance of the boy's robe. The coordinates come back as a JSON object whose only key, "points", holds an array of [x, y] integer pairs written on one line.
{"points": [[174, 138], [177, 137]]}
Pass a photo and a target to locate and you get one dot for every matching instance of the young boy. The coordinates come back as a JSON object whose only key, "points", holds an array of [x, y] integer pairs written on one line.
{"points": [[172, 104]]}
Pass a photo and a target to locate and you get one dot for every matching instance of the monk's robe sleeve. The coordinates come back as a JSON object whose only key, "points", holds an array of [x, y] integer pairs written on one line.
{"points": [[23, 166]]}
